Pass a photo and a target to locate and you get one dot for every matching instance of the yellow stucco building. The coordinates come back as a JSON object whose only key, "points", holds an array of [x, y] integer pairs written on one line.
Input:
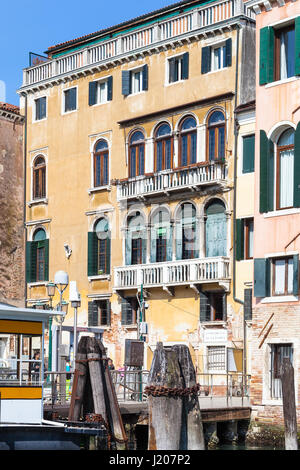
{"points": [[130, 151]]}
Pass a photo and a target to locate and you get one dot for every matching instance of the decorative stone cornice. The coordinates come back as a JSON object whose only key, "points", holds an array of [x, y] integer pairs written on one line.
{"points": [[258, 6]]}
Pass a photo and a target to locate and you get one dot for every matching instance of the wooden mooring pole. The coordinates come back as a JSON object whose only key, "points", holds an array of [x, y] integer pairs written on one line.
{"points": [[174, 413], [289, 406]]}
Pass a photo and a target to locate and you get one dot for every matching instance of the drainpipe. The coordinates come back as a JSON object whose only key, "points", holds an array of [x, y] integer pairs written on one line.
{"points": [[236, 132], [24, 196]]}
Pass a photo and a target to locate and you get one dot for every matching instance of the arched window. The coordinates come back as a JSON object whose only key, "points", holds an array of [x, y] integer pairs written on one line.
{"points": [[99, 241], [285, 170], [216, 229], [101, 163], [216, 136], [37, 257], [136, 154], [188, 142], [39, 178], [163, 148], [135, 242], [161, 237], [186, 236]]}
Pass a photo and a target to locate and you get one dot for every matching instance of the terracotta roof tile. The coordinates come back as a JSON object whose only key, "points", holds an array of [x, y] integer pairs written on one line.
{"points": [[9, 107]]}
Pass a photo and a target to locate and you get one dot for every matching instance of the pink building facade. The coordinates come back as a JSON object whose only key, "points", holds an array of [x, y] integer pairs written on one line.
{"points": [[276, 301]]}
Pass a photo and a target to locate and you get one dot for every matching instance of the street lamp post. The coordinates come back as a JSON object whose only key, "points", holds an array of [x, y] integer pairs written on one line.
{"points": [[75, 303]]}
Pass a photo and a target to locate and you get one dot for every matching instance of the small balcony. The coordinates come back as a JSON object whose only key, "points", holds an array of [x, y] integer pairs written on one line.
{"points": [[171, 181], [170, 274]]}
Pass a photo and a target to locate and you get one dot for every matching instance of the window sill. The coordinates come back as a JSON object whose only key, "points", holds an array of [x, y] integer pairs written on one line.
{"points": [[107, 187], [280, 298], [133, 326], [39, 120], [35, 202], [177, 81], [100, 277], [105, 327], [214, 323], [282, 212], [64, 113], [217, 70], [281, 82], [37, 284], [136, 93]]}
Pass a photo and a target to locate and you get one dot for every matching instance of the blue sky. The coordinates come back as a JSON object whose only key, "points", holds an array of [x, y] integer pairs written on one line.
{"points": [[34, 25]]}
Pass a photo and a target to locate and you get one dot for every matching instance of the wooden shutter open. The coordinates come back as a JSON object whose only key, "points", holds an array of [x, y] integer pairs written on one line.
{"points": [[239, 239], [93, 313], [297, 167], [266, 55], [296, 275], [204, 307], [31, 250], [92, 93], [261, 277], [145, 77], [206, 59], [125, 82], [109, 88], [92, 253], [248, 153], [247, 304], [266, 177], [228, 52], [297, 45], [185, 66]]}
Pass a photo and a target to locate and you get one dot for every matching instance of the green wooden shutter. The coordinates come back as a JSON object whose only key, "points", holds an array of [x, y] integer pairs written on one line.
{"points": [[145, 77], [297, 167], [248, 153], [185, 66], [206, 59], [31, 249], [247, 304], [297, 45], [266, 177], [46, 244], [296, 274], [239, 237], [92, 253], [228, 52], [125, 82], [93, 313], [109, 88], [108, 252], [261, 277], [92, 93], [266, 55], [204, 307], [108, 307]]}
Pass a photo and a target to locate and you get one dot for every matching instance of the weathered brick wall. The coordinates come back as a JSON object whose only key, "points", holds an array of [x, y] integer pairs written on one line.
{"points": [[11, 210], [285, 329]]}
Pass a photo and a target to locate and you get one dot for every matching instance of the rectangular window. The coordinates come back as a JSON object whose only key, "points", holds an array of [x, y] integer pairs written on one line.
{"points": [[100, 91], [284, 53], [248, 153], [37, 261], [40, 108], [70, 100], [161, 245], [213, 306], [40, 265], [216, 358], [218, 59], [135, 81], [129, 309], [178, 68], [282, 276], [99, 313], [136, 247], [278, 352]]}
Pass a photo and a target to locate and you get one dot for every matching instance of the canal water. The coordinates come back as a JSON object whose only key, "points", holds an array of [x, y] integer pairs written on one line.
{"points": [[243, 446]]}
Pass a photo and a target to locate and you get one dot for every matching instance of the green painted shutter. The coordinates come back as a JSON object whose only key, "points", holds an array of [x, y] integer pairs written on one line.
{"points": [[185, 66], [93, 313], [296, 274], [108, 307], [92, 253], [206, 59], [266, 177], [248, 153], [125, 82], [31, 249], [92, 93], [247, 304], [204, 307], [297, 45], [228, 52], [145, 77], [261, 277], [239, 237], [108, 252], [109, 88], [46, 244], [297, 167], [266, 55]]}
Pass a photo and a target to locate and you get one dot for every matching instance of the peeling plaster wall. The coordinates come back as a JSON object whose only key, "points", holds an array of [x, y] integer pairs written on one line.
{"points": [[11, 211]]}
